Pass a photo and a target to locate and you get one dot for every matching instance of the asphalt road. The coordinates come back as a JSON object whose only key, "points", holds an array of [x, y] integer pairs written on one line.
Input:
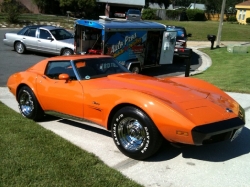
{"points": [[11, 62], [217, 165]]}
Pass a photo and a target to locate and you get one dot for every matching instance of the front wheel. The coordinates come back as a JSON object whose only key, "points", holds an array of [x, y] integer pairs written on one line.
{"points": [[135, 134], [28, 105], [67, 52], [19, 47]]}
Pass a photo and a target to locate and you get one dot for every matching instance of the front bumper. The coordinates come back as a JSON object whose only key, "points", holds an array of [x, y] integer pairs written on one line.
{"points": [[218, 131]]}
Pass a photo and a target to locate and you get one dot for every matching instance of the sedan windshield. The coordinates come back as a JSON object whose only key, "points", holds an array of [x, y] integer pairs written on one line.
{"points": [[61, 34], [98, 67]]}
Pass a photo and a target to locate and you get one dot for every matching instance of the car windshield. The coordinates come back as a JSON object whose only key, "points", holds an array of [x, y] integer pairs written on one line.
{"points": [[61, 34], [134, 12], [98, 67]]}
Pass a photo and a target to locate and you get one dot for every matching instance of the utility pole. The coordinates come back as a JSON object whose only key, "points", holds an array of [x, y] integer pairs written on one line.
{"points": [[221, 23]]}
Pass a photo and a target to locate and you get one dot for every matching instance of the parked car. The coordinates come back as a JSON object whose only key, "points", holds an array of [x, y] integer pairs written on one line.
{"points": [[133, 14], [40, 38], [119, 15], [181, 38], [140, 111]]}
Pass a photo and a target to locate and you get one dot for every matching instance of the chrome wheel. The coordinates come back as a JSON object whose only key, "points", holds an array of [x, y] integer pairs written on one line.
{"points": [[131, 134], [67, 52], [26, 103], [135, 70], [134, 133], [19, 47]]}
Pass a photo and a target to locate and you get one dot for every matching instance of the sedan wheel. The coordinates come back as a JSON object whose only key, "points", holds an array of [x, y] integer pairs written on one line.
{"points": [[19, 47], [135, 134], [67, 52], [28, 104]]}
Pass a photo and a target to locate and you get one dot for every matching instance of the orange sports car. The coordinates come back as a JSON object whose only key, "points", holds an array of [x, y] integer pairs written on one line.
{"points": [[140, 111]]}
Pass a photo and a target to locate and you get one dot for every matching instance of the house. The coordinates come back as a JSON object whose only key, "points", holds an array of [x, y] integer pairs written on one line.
{"points": [[197, 6], [243, 11]]}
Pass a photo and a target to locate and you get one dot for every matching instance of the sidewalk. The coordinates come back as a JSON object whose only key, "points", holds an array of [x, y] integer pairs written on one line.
{"points": [[204, 44]]}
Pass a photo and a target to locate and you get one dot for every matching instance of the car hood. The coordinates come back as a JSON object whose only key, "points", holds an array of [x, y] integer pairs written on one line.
{"points": [[160, 88], [211, 103]]}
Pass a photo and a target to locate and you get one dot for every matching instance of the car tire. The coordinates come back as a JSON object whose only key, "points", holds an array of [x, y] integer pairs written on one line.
{"points": [[67, 52], [20, 47], [134, 133], [135, 69], [28, 105]]}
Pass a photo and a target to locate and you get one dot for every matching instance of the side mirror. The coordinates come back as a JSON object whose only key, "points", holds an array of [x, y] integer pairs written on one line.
{"points": [[64, 76], [189, 35], [50, 38]]}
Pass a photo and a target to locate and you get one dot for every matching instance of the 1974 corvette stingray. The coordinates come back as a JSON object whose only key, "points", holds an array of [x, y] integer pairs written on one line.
{"points": [[140, 111]]}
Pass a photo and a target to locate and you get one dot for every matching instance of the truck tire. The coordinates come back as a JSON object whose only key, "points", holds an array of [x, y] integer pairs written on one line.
{"points": [[135, 68]]}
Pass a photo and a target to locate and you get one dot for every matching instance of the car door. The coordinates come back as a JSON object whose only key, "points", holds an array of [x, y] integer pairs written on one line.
{"points": [[45, 42], [59, 95], [29, 39]]}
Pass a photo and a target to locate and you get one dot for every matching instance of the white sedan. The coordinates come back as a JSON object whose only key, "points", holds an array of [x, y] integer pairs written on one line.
{"points": [[41, 38]]}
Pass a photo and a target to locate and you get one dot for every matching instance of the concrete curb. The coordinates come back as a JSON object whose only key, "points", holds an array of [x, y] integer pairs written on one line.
{"points": [[206, 61]]}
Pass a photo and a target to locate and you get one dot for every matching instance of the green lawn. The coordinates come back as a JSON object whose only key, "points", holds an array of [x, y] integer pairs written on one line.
{"points": [[200, 30], [229, 71], [33, 156]]}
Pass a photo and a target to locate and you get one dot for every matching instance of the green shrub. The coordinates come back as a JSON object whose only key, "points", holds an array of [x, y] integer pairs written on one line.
{"points": [[195, 15], [12, 9], [248, 20], [149, 14], [173, 14], [232, 19]]}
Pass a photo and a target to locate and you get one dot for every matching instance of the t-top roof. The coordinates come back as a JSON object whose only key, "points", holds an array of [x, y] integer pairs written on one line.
{"points": [[112, 25]]}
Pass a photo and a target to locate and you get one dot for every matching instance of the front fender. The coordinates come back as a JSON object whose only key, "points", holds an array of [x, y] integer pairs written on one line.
{"points": [[164, 113], [17, 80]]}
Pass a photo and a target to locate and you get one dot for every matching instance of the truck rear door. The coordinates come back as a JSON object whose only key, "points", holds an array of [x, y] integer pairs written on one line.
{"points": [[168, 46]]}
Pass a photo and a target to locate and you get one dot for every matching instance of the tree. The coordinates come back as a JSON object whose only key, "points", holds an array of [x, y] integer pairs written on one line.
{"points": [[48, 6], [87, 7], [12, 9]]}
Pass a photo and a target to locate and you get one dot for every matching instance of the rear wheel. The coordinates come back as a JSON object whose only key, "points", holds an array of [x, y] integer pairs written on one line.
{"points": [[28, 105], [67, 52], [135, 69], [135, 134], [19, 47]]}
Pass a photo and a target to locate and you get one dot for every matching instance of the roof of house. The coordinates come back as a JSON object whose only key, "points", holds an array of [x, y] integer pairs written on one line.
{"points": [[245, 3]]}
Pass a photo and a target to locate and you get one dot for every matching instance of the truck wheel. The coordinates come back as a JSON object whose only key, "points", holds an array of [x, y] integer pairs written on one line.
{"points": [[67, 52], [19, 47], [135, 69], [28, 105], [135, 134]]}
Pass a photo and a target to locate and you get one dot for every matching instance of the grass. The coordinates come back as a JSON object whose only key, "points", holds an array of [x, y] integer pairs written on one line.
{"points": [[200, 30], [229, 71], [28, 19], [33, 156]]}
